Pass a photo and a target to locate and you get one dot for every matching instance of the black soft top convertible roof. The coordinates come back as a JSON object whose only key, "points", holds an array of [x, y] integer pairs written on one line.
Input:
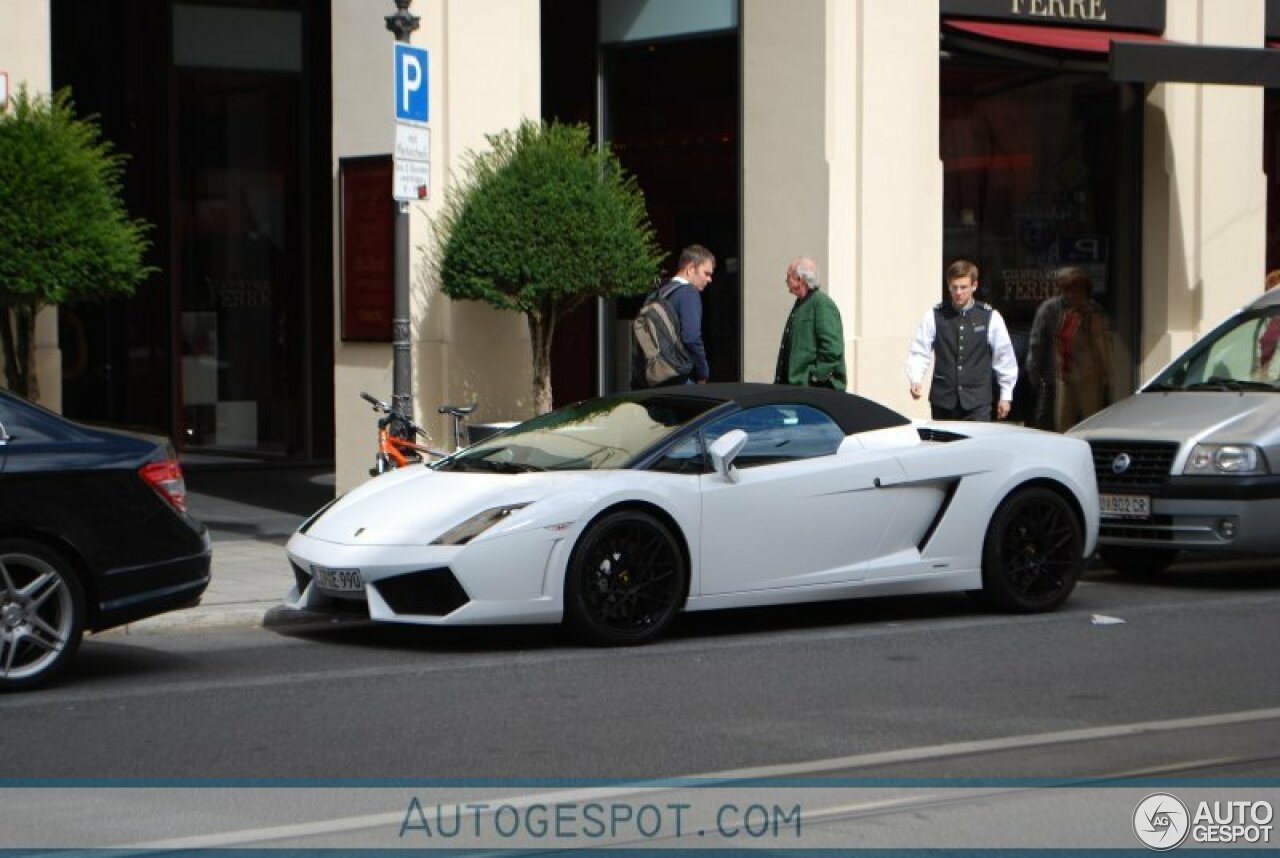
{"points": [[852, 413]]}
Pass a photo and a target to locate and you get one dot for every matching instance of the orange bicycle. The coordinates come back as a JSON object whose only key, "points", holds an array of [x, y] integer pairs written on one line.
{"points": [[398, 436]]}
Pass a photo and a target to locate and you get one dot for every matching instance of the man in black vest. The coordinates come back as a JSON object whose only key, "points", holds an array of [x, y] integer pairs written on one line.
{"points": [[967, 339]]}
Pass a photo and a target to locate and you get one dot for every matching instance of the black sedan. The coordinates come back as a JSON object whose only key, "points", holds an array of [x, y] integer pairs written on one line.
{"points": [[94, 533]]}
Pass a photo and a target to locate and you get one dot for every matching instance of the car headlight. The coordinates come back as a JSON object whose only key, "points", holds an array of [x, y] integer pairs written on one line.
{"points": [[476, 525], [1217, 459]]}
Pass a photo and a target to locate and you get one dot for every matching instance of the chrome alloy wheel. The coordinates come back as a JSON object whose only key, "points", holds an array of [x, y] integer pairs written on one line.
{"points": [[40, 617]]}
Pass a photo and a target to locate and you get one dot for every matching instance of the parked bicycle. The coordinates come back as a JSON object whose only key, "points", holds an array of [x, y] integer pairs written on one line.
{"points": [[398, 436]]}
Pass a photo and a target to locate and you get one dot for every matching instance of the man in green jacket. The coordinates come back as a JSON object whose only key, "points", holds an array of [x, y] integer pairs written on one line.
{"points": [[812, 350]]}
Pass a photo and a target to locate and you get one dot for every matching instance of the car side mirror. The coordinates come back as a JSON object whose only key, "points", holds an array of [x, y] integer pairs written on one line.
{"points": [[724, 450]]}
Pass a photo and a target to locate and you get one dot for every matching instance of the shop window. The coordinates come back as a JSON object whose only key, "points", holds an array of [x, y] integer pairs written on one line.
{"points": [[223, 109], [645, 20], [1271, 165], [1041, 173]]}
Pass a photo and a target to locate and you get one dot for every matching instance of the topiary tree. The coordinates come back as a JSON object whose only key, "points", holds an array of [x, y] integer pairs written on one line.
{"points": [[542, 222], [64, 233]]}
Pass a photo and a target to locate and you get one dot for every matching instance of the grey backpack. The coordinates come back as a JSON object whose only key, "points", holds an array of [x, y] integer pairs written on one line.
{"points": [[656, 334]]}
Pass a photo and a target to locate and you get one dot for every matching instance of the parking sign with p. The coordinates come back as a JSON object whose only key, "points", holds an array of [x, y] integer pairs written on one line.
{"points": [[410, 67]]}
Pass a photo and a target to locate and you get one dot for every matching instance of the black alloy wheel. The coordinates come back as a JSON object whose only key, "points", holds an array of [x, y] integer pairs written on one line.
{"points": [[1031, 557], [1137, 562], [42, 614], [626, 580]]}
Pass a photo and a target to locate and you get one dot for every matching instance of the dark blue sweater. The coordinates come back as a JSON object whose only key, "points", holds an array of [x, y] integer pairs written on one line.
{"points": [[686, 302]]}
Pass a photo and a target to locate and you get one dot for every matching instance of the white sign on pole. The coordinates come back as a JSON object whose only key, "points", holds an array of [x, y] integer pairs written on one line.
{"points": [[411, 174], [412, 143], [411, 180], [4, 91]]}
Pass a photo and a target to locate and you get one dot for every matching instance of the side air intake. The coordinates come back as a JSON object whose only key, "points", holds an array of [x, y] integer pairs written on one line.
{"points": [[430, 592]]}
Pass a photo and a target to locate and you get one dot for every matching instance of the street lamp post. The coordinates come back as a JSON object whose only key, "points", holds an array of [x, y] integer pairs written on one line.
{"points": [[401, 24]]}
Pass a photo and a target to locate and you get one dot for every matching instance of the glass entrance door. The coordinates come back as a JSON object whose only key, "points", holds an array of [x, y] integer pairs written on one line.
{"points": [[671, 113], [238, 263]]}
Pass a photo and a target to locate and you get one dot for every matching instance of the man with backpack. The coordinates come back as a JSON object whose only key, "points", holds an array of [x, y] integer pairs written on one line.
{"points": [[667, 345]]}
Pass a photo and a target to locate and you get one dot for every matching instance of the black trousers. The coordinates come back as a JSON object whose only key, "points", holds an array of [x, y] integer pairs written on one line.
{"points": [[982, 413]]}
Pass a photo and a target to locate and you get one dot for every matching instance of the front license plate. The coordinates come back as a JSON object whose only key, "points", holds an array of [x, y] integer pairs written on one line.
{"points": [[1125, 506], [338, 580]]}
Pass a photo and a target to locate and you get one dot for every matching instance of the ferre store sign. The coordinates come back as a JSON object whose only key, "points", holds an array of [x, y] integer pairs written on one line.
{"points": [[1136, 15]]}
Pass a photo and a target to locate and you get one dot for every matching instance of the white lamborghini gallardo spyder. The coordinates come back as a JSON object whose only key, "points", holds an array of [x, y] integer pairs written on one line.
{"points": [[615, 514]]}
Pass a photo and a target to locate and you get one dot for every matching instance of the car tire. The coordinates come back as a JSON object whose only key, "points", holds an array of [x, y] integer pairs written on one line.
{"points": [[1031, 556], [626, 580], [1137, 562], [42, 614]]}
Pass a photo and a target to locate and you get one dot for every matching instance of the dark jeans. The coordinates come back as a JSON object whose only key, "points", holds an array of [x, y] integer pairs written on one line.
{"points": [[982, 413]]}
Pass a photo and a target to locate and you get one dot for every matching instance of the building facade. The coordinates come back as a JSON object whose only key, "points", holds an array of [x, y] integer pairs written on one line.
{"points": [[881, 138]]}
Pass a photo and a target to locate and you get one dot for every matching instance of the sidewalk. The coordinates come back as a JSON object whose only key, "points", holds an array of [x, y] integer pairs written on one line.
{"points": [[251, 513]]}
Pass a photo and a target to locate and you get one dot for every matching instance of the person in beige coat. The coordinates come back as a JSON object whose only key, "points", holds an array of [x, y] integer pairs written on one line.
{"points": [[1069, 356]]}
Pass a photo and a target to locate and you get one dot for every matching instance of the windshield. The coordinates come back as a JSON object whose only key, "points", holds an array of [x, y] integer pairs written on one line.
{"points": [[599, 434], [1240, 354]]}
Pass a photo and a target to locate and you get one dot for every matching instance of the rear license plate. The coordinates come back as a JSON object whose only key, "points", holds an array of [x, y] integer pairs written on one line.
{"points": [[338, 580], [1125, 506]]}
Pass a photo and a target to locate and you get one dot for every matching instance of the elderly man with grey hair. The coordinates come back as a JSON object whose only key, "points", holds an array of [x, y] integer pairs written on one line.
{"points": [[812, 352]]}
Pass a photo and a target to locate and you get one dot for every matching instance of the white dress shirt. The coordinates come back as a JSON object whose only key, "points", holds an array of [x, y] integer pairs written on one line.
{"points": [[1003, 359]]}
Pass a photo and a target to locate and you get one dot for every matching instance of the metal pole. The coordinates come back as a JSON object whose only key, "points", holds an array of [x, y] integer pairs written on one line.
{"points": [[401, 24]]}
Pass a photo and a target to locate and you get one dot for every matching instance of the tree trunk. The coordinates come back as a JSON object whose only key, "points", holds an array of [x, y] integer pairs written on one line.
{"points": [[11, 379], [27, 345], [541, 327], [17, 336]]}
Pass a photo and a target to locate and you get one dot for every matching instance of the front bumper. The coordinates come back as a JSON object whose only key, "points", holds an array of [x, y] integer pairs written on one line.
{"points": [[504, 580], [1202, 514]]}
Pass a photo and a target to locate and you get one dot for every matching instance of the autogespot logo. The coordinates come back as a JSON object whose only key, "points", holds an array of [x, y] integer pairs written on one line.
{"points": [[1161, 821]]}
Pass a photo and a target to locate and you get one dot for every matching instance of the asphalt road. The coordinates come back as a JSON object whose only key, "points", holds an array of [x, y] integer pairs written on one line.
{"points": [[939, 723], [728, 691]]}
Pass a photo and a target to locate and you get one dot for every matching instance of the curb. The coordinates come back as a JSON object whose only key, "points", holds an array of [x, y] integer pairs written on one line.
{"points": [[241, 615]]}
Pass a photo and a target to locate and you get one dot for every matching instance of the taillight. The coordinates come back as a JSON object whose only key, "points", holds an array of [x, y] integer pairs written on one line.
{"points": [[166, 478]]}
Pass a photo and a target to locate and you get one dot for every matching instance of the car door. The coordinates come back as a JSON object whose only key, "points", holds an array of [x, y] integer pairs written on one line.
{"points": [[798, 515]]}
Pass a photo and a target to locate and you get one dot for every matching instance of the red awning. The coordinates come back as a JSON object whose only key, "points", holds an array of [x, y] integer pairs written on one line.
{"points": [[1062, 38]]}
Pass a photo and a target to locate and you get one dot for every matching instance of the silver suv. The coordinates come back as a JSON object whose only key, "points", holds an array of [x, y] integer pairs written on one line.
{"points": [[1192, 460]]}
